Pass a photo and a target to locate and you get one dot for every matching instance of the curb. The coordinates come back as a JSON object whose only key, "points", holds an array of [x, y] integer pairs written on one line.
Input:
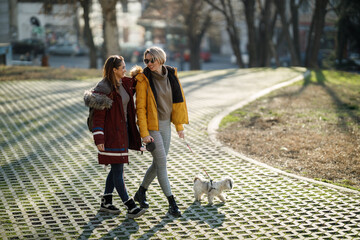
{"points": [[213, 126]]}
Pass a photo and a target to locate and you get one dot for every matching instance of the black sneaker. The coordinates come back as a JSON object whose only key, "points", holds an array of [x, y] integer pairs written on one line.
{"points": [[109, 208], [106, 204], [133, 210]]}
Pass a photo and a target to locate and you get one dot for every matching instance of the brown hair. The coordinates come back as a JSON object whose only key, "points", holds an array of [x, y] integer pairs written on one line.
{"points": [[113, 61]]}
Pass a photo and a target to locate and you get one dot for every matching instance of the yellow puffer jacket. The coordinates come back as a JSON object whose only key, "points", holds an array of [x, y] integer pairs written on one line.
{"points": [[146, 107]]}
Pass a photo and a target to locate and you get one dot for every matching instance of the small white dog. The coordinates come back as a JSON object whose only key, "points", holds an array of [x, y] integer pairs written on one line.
{"points": [[211, 188]]}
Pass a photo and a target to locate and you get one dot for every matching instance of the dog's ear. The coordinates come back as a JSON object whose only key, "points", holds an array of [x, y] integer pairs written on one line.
{"points": [[196, 178]]}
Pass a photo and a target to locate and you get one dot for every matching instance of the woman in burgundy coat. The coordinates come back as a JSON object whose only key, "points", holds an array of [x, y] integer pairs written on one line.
{"points": [[114, 129]]}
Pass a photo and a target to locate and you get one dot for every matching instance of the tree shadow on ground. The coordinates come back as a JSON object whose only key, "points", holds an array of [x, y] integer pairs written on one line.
{"points": [[123, 231], [342, 107]]}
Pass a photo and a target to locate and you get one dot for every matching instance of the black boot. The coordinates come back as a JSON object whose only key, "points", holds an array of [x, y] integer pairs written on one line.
{"points": [[106, 204], [173, 208], [133, 210], [140, 197]]}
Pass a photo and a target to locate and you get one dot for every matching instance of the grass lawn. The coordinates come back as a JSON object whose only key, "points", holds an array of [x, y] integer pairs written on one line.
{"points": [[311, 128], [47, 73]]}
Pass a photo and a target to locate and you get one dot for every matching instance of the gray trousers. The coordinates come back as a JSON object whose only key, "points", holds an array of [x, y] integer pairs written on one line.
{"points": [[158, 167]]}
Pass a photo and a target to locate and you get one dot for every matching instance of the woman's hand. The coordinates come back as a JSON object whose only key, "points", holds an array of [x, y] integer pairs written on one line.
{"points": [[100, 147], [181, 134], [148, 139]]}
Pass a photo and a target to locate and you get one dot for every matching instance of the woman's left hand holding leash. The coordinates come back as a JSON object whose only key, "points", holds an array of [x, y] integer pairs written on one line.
{"points": [[181, 134]]}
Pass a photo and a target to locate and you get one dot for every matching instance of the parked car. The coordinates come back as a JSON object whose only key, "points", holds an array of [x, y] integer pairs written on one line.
{"points": [[29, 46], [67, 49], [204, 56]]}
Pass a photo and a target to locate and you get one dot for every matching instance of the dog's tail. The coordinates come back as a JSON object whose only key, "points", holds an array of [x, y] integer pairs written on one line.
{"points": [[197, 178]]}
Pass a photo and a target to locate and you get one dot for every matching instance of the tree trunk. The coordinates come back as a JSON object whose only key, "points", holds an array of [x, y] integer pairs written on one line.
{"points": [[235, 43], [195, 63], [341, 38], [272, 47], [197, 22], [233, 32], [295, 27], [88, 34], [111, 32], [249, 13], [342, 33], [317, 25], [264, 35], [281, 5], [226, 9], [348, 34]]}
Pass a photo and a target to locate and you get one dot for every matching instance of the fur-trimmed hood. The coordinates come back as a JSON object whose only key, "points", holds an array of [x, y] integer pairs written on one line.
{"points": [[97, 97], [135, 70]]}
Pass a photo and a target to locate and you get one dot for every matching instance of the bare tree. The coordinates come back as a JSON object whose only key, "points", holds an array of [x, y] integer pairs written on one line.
{"points": [[226, 8], [110, 28], [195, 18], [266, 26], [281, 7], [316, 29], [348, 27], [88, 36], [294, 9], [197, 21], [250, 22]]}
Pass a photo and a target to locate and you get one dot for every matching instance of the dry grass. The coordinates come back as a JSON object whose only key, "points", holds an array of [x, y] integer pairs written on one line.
{"points": [[310, 129], [9, 73]]}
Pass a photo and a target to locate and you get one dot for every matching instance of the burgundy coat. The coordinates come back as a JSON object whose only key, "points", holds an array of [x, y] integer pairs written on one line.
{"points": [[109, 125]]}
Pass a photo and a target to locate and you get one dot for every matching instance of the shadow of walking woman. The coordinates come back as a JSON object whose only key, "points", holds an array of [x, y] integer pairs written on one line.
{"points": [[123, 231], [207, 214]]}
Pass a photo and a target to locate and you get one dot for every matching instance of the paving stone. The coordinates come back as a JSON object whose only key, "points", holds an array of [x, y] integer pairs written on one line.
{"points": [[50, 182]]}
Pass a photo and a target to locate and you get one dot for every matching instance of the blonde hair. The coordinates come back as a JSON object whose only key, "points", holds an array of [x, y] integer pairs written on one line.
{"points": [[157, 53]]}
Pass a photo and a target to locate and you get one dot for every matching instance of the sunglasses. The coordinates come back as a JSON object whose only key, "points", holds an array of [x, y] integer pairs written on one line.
{"points": [[146, 61]]}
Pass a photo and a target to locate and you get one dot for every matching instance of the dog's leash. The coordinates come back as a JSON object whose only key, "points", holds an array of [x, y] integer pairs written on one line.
{"points": [[188, 146], [211, 181]]}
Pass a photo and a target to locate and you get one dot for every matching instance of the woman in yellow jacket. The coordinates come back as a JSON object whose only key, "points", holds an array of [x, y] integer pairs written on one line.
{"points": [[160, 100]]}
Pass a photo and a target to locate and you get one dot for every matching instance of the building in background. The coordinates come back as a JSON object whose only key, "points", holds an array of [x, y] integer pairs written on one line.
{"points": [[5, 46], [4, 21]]}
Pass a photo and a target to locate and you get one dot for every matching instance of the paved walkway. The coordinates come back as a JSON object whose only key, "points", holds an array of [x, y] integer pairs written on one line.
{"points": [[50, 182]]}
